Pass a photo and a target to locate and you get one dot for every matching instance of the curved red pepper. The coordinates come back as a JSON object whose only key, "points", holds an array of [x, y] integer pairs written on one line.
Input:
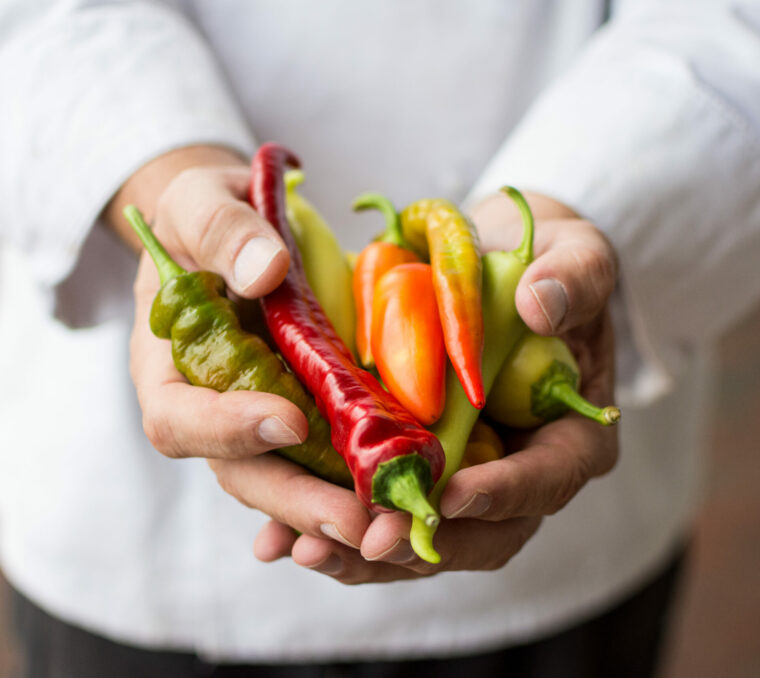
{"points": [[394, 461]]}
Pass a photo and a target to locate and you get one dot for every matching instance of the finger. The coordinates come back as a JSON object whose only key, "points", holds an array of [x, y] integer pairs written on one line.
{"points": [[344, 564], [207, 213], [462, 544], [189, 421], [290, 494], [570, 282], [538, 480], [274, 541]]}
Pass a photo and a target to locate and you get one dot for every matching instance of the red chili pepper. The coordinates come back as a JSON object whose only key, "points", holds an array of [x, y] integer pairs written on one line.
{"points": [[407, 340], [393, 460], [390, 250]]}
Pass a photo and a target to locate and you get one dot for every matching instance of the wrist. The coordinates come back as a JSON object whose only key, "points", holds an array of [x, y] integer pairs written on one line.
{"points": [[146, 185]]}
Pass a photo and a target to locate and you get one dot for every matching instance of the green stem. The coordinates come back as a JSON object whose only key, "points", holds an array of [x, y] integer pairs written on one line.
{"points": [[403, 483], [393, 233], [525, 251], [407, 495], [167, 267], [565, 392]]}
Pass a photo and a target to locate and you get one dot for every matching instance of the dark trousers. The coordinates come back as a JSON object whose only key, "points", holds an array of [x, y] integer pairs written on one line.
{"points": [[624, 643]]}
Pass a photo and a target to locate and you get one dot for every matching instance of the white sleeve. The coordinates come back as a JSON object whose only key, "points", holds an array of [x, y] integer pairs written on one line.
{"points": [[654, 136], [90, 92]]}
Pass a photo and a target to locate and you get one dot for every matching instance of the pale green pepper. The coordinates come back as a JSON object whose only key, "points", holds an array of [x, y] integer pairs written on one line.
{"points": [[539, 382], [327, 268], [502, 329]]}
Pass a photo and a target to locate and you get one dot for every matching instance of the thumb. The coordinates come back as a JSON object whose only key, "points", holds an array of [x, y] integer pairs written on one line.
{"points": [[570, 283], [207, 211]]}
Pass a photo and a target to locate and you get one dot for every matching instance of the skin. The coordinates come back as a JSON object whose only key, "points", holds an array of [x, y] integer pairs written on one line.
{"points": [[196, 199]]}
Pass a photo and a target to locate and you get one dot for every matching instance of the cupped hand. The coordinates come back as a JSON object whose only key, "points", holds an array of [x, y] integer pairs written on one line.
{"points": [[203, 219], [491, 510]]}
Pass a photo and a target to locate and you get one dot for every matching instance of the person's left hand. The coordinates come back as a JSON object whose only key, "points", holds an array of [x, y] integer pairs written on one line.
{"points": [[491, 510]]}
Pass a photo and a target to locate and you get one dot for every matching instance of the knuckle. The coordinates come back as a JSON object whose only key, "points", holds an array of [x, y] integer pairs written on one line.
{"points": [[219, 224], [182, 184], [227, 476], [158, 433], [597, 273], [609, 457], [574, 478], [225, 479]]}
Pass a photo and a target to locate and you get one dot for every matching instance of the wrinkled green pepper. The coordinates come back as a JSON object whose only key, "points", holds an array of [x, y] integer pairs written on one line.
{"points": [[210, 349]]}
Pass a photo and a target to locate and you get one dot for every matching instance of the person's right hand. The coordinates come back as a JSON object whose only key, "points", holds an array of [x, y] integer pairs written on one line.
{"points": [[203, 219]]}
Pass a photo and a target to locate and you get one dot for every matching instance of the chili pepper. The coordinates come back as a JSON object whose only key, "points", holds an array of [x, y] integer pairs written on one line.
{"points": [[390, 250], [538, 383], [326, 267], [483, 445], [457, 274], [393, 460], [210, 349], [502, 328], [407, 340]]}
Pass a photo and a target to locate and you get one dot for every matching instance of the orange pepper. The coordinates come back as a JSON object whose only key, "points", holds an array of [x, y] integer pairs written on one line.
{"points": [[483, 445], [373, 261], [407, 340]]}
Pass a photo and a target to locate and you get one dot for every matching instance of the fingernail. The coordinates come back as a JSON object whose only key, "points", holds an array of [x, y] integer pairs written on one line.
{"points": [[331, 565], [399, 553], [552, 298], [253, 260], [332, 531], [275, 431], [477, 504]]}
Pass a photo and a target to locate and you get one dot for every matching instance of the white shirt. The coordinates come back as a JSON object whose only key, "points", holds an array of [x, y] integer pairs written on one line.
{"points": [[648, 127]]}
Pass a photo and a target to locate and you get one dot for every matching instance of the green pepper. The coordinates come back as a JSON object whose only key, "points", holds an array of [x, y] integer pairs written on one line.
{"points": [[538, 383], [502, 328], [327, 268], [210, 349]]}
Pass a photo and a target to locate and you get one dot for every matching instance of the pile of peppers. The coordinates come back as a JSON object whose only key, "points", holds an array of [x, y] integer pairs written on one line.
{"points": [[398, 358]]}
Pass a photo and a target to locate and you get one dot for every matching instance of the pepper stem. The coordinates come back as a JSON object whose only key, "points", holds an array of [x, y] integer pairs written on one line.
{"points": [[167, 267], [565, 392], [403, 483], [421, 540], [525, 250], [405, 492], [393, 233]]}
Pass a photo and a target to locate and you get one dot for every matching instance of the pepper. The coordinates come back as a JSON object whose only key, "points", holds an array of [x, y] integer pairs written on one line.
{"points": [[502, 328], [407, 340], [326, 267], [389, 250], [483, 445], [394, 461], [457, 274], [210, 349], [538, 383]]}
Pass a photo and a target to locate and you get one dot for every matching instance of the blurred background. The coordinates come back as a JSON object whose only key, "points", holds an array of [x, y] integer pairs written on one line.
{"points": [[715, 629]]}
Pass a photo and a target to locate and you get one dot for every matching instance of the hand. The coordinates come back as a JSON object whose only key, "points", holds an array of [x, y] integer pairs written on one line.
{"points": [[491, 510], [201, 215]]}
